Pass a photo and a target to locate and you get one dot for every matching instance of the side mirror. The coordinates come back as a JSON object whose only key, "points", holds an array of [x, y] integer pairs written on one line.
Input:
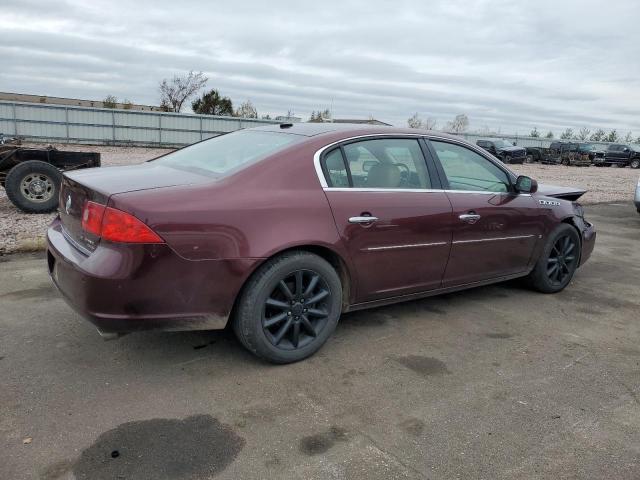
{"points": [[526, 184], [625, 149]]}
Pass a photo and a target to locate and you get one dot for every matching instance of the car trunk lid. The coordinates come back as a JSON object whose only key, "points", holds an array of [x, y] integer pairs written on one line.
{"points": [[99, 184]]}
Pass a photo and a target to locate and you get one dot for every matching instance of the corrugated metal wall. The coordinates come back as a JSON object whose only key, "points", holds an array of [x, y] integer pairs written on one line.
{"points": [[67, 124]]}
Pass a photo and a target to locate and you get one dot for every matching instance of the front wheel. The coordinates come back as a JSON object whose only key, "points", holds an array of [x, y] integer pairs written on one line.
{"points": [[289, 307], [635, 163], [558, 262]]}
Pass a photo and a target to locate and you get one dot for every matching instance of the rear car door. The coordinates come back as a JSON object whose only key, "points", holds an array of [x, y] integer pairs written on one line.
{"points": [[391, 214], [494, 228]]}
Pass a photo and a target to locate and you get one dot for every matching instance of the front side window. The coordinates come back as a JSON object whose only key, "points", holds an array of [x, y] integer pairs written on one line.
{"points": [[385, 163], [467, 170], [226, 154]]}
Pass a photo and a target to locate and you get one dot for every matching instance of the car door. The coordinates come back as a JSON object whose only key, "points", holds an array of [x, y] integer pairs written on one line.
{"points": [[494, 229], [615, 153], [391, 214]]}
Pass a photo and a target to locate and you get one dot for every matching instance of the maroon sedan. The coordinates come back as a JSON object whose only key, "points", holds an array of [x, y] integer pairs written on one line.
{"points": [[278, 230]]}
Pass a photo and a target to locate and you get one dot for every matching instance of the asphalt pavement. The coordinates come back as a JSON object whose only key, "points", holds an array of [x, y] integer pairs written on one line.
{"points": [[496, 382]]}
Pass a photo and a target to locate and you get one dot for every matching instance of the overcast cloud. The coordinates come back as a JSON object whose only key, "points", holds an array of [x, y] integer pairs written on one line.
{"points": [[506, 64]]}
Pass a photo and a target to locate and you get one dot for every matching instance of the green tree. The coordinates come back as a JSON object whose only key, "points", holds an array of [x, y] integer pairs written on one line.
{"points": [[110, 102], [212, 103], [415, 121], [534, 133], [549, 134]]}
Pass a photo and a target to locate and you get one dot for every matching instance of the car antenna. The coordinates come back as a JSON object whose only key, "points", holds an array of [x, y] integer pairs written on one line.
{"points": [[286, 125]]}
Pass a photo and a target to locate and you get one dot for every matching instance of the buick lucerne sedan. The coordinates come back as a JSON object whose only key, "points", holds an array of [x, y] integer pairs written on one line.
{"points": [[276, 231]]}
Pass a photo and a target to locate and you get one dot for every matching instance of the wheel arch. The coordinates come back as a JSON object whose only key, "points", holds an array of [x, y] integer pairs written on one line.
{"points": [[571, 220], [335, 259]]}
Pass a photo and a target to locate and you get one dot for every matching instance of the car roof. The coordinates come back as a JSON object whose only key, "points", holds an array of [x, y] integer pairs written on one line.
{"points": [[347, 130]]}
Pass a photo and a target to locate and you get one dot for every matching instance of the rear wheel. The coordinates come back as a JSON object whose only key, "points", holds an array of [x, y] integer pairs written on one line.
{"points": [[33, 186], [566, 162], [289, 307], [558, 262]]}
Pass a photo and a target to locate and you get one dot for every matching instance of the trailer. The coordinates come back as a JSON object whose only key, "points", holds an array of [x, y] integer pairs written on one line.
{"points": [[32, 176]]}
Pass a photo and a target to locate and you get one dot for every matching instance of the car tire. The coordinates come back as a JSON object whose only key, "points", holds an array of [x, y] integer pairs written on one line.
{"points": [[558, 262], [566, 162], [33, 186], [635, 163], [507, 159], [273, 317]]}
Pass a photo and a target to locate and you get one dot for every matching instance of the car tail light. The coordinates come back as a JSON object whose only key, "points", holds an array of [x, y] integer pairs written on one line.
{"points": [[115, 225]]}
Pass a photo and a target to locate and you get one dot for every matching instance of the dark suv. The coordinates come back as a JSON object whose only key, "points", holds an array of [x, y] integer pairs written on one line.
{"points": [[505, 151], [621, 155]]}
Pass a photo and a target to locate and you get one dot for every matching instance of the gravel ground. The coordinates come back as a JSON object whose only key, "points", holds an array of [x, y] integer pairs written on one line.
{"points": [[24, 232]]}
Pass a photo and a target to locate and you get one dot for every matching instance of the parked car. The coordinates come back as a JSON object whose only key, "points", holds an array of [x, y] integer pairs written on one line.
{"points": [[503, 150], [32, 176], [278, 230], [621, 155], [637, 197]]}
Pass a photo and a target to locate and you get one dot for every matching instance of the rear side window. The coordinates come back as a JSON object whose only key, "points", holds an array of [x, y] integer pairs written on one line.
{"points": [[227, 154], [389, 163], [335, 169], [467, 170]]}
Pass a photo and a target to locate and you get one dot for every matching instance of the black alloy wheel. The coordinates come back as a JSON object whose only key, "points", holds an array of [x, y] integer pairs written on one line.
{"points": [[559, 260], [289, 307], [562, 260], [296, 311]]}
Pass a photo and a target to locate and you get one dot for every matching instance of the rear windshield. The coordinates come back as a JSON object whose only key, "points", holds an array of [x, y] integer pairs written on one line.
{"points": [[227, 154]]}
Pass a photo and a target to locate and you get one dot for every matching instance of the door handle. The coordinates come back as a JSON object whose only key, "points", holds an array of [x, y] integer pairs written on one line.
{"points": [[363, 219], [470, 218]]}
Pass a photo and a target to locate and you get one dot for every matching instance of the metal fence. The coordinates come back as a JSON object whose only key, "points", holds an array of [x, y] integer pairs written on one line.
{"points": [[68, 124]]}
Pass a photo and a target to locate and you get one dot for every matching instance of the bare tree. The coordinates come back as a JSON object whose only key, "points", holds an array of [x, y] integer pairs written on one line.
{"points": [[598, 135], [567, 134], [174, 92], [583, 133], [110, 101], [415, 121], [612, 136], [549, 134], [319, 116], [459, 124], [430, 124], [247, 110], [628, 137], [127, 104], [534, 133]]}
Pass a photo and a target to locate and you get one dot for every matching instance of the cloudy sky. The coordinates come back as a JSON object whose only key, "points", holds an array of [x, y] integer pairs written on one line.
{"points": [[510, 65]]}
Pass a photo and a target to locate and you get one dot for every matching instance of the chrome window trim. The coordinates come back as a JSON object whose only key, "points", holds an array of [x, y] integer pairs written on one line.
{"points": [[480, 151], [365, 189], [411, 245]]}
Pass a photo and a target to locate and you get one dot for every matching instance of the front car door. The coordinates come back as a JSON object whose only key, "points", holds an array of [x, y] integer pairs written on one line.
{"points": [[390, 212], [494, 228]]}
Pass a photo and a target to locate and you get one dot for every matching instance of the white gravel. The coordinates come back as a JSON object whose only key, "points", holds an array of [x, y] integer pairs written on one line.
{"points": [[22, 232]]}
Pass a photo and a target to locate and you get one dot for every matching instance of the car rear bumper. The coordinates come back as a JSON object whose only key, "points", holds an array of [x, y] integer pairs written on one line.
{"points": [[125, 287], [588, 241]]}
